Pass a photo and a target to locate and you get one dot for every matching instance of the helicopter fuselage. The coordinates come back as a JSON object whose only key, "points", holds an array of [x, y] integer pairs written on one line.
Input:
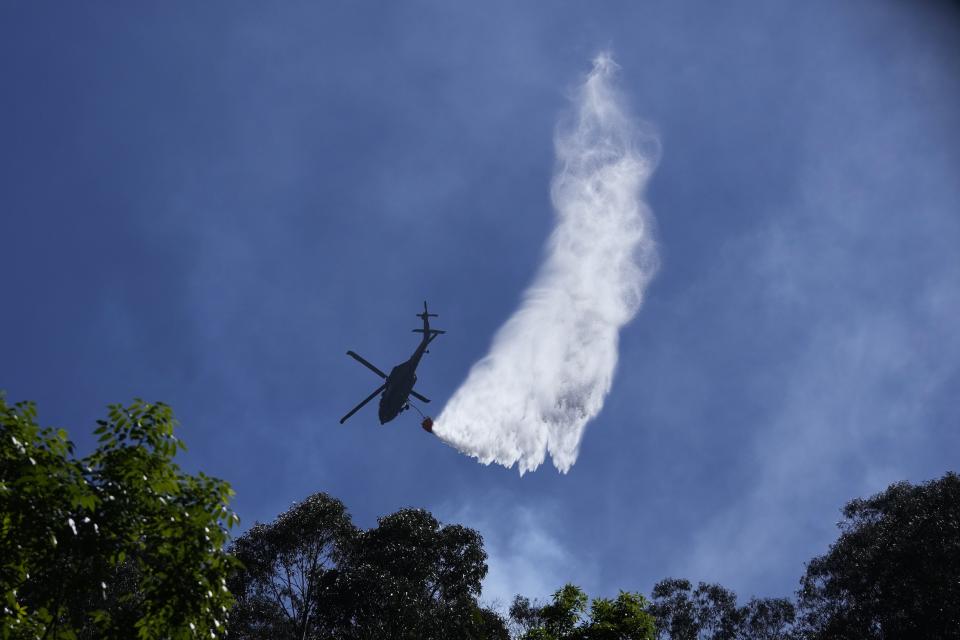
{"points": [[397, 392]]}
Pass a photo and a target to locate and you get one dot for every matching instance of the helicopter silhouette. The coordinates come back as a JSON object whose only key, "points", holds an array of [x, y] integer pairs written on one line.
{"points": [[398, 386]]}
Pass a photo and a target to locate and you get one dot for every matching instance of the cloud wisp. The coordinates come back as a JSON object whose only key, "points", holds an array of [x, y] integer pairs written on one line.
{"points": [[551, 364]]}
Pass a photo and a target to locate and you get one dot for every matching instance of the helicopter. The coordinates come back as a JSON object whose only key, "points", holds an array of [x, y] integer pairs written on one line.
{"points": [[398, 386]]}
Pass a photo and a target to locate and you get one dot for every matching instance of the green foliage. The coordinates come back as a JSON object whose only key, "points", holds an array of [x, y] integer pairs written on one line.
{"points": [[624, 618], [120, 544], [561, 616], [312, 574], [895, 570]]}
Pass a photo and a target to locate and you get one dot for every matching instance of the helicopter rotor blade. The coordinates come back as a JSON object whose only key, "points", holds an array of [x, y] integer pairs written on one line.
{"points": [[419, 397], [361, 405], [360, 359]]}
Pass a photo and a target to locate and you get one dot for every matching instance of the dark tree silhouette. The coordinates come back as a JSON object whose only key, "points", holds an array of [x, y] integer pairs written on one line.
{"points": [[525, 615], [312, 574], [710, 612], [286, 588], [411, 577], [768, 619], [895, 570]]}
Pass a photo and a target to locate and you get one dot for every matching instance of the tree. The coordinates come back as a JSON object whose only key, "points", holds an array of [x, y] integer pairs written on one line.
{"points": [[119, 544], [624, 618], [767, 619], [414, 578], [286, 584], [894, 572], [710, 612], [312, 574], [684, 613], [525, 615]]}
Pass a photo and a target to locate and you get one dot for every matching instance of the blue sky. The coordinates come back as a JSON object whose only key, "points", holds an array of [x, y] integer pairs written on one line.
{"points": [[209, 205]]}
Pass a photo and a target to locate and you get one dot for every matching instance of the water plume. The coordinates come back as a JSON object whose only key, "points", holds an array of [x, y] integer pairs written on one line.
{"points": [[551, 364]]}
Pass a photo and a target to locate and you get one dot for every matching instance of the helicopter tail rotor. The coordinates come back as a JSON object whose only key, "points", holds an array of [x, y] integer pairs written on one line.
{"points": [[426, 330]]}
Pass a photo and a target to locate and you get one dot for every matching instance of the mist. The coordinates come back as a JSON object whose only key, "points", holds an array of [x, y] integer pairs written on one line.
{"points": [[551, 364]]}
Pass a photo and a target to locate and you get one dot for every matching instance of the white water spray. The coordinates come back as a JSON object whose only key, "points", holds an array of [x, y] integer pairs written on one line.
{"points": [[551, 365]]}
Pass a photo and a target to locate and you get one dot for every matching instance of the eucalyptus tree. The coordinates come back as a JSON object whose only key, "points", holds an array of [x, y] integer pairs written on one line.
{"points": [[312, 574], [710, 612], [894, 572], [287, 582]]}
